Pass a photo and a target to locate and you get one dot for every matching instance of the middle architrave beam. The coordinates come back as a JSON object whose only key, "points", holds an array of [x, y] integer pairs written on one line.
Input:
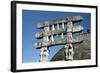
{"points": [[58, 31]]}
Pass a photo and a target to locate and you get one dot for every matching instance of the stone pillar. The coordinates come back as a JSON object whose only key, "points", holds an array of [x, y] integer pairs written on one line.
{"points": [[57, 29], [68, 47], [69, 52], [52, 38], [52, 29], [63, 25], [44, 50], [57, 26], [44, 54], [62, 35]]}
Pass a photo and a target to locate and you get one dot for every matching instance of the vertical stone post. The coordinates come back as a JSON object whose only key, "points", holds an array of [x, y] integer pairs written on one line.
{"points": [[69, 48], [62, 34], [57, 29], [53, 28], [44, 50]]}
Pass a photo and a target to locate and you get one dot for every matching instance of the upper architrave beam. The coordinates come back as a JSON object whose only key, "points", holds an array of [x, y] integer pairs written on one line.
{"points": [[69, 19]]}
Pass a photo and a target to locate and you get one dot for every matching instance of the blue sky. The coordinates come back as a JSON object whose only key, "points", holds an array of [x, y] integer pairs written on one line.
{"points": [[30, 19]]}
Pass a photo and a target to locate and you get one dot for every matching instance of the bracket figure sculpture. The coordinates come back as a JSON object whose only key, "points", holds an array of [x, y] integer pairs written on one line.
{"points": [[56, 27]]}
